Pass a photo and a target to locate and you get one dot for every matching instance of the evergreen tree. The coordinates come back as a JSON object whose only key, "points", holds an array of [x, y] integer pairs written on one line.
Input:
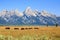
{"points": [[56, 25]]}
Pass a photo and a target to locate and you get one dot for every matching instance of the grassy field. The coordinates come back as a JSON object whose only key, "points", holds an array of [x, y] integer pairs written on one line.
{"points": [[29, 33]]}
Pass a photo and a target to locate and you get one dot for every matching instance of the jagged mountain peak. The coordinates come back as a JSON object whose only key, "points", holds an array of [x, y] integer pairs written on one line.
{"points": [[46, 13], [29, 12], [3, 12], [28, 8], [29, 16]]}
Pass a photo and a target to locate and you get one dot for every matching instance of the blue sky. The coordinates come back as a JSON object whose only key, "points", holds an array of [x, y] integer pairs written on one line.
{"points": [[52, 6]]}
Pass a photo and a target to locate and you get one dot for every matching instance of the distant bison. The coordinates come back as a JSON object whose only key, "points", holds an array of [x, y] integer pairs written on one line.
{"points": [[36, 28], [16, 28], [22, 28], [7, 28]]}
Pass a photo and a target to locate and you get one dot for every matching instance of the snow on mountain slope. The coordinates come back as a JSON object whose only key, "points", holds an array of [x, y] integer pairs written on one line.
{"points": [[20, 14], [58, 19], [45, 13], [29, 12], [28, 17], [2, 13]]}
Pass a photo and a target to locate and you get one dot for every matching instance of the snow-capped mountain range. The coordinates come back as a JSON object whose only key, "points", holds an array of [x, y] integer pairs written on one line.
{"points": [[28, 17]]}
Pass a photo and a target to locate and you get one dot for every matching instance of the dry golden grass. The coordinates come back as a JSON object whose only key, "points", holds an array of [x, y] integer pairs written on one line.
{"points": [[30, 30], [40, 30]]}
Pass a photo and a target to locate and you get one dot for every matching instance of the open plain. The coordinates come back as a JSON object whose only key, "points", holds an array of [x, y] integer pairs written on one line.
{"points": [[29, 33]]}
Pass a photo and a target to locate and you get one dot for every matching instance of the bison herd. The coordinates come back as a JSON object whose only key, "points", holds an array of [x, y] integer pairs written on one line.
{"points": [[21, 28]]}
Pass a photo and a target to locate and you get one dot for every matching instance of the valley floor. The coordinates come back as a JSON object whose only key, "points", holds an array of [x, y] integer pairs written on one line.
{"points": [[29, 33]]}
